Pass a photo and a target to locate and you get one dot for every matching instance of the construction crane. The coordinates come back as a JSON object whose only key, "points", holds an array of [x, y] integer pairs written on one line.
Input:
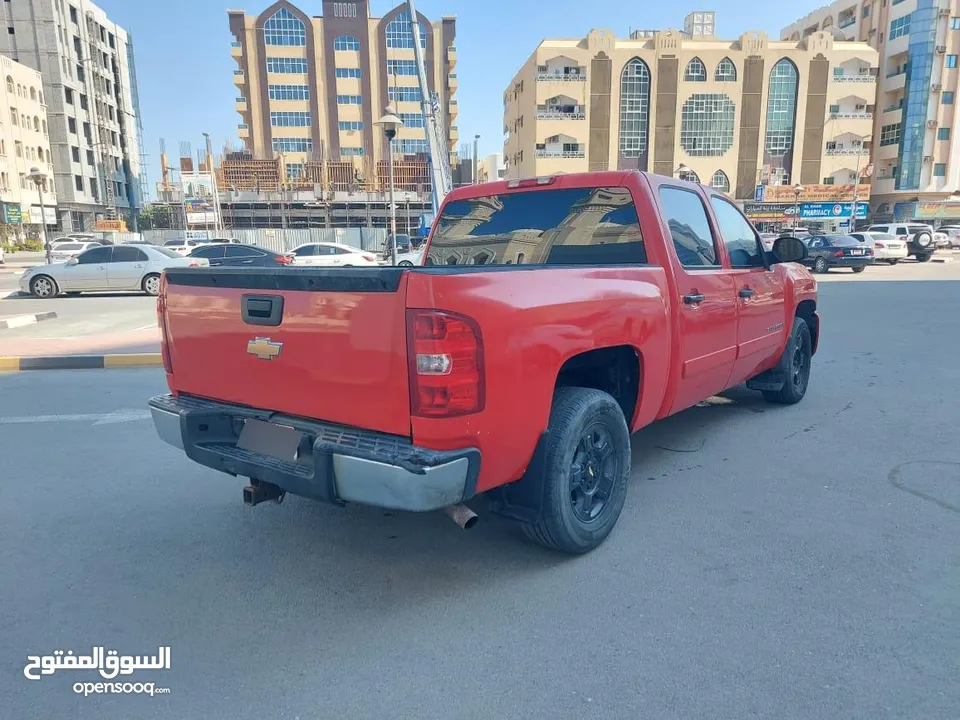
{"points": [[438, 154]]}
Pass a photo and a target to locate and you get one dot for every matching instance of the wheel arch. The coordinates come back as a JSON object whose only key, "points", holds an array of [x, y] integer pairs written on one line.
{"points": [[807, 309], [616, 370]]}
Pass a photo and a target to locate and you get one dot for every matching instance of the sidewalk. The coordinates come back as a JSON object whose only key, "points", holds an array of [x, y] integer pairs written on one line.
{"points": [[19, 261]]}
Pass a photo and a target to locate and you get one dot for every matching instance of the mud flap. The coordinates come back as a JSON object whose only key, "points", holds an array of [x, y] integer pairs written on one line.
{"points": [[522, 500]]}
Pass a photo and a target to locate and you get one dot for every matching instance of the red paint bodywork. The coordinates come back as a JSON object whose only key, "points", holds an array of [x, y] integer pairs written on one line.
{"points": [[345, 359]]}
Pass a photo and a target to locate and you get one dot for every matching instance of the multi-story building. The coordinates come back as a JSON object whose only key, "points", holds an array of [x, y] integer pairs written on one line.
{"points": [[312, 88], [491, 168], [916, 153], [731, 114], [89, 83], [24, 145]]}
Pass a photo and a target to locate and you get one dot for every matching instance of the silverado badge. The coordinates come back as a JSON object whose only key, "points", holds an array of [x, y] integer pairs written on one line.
{"points": [[264, 348]]}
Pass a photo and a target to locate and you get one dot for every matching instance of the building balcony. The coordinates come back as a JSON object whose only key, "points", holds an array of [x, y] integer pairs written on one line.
{"points": [[453, 81], [243, 130], [854, 77], [240, 105], [239, 77], [886, 152], [895, 108], [454, 133], [452, 55], [554, 113], [236, 50], [561, 154], [851, 116], [883, 185], [847, 21], [895, 79], [836, 152], [561, 77]]}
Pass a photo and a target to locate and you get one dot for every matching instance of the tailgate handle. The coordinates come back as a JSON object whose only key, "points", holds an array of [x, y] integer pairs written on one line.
{"points": [[262, 309]]}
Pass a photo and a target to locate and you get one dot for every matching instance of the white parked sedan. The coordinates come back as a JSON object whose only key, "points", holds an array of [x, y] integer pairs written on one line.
{"points": [[886, 247], [105, 268], [332, 255], [63, 251], [182, 247]]}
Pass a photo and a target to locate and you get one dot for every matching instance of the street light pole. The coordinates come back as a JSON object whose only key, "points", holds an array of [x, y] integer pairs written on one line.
{"points": [[390, 123], [797, 189], [476, 159], [38, 177]]}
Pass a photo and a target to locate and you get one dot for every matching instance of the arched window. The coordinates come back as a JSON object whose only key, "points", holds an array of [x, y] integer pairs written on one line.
{"points": [[726, 71], [346, 42], [36, 123], [781, 113], [720, 181], [33, 93], [284, 28], [40, 153], [20, 90], [695, 72], [14, 118], [43, 124], [634, 109], [688, 175], [9, 84], [706, 124], [47, 155], [40, 96], [400, 32]]}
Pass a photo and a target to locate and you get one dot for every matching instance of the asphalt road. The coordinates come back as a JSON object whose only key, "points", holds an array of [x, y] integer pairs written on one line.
{"points": [[770, 562]]}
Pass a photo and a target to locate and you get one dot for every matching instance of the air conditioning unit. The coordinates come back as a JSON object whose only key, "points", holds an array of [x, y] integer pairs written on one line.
{"points": [[944, 12], [935, 87], [932, 123], [941, 49], [928, 158]]}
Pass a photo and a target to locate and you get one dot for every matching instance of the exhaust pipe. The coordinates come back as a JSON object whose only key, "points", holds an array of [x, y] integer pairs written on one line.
{"points": [[258, 492], [462, 516]]}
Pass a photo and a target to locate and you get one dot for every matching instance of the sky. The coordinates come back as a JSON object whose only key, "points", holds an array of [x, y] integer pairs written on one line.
{"points": [[185, 71]]}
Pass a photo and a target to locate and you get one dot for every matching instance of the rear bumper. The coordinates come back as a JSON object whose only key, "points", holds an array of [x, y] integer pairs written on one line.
{"points": [[855, 261], [342, 464]]}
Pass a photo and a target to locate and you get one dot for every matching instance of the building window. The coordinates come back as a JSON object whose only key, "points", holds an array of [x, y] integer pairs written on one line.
{"points": [[947, 97], [940, 170], [943, 134], [634, 109], [296, 66], [899, 27], [43, 125], [9, 84], [90, 161], [706, 125], [68, 95], [412, 120], [348, 125], [295, 170], [33, 93], [14, 117], [78, 182], [284, 28], [726, 71], [351, 152], [402, 67], [290, 119], [890, 134], [720, 181], [281, 144], [18, 147], [781, 111], [346, 42], [409, 147], [289, 92], [951, 61], [348, 72], [72, 125], [404, 94], [866, 11], [81, 75], [955, 23], [83, 102], [349, 100], [828, 180], [400, 32], [343, 9], [75, 154], [695, 72]]}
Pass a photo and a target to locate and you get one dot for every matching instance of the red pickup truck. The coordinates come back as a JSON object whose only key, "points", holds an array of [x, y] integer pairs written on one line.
{"points": [[552, 317]]}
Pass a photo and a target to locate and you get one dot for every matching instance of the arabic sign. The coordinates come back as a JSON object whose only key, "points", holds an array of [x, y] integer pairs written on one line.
{"points": [[936, 210], [832, 211], [198, 198], [111, 225], [108, 663], [769, 211], [12, 214], [50, 213], [815, 193]]}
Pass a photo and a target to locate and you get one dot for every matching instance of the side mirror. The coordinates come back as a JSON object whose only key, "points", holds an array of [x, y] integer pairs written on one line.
{"points": [[789, 249], [73, 261]]}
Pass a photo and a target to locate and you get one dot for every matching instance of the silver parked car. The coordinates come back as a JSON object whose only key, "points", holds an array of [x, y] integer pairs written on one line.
{"points": [[106, 268]]}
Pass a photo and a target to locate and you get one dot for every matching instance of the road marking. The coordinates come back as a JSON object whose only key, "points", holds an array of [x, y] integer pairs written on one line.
{"points": [[146, 327], [112, 418]]}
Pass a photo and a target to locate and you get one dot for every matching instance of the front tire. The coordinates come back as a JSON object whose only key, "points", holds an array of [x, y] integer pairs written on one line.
{"points": [[586, 470], [893, 261], [43, 287], [820, 265], [151, 284], [795, 365], [924, 257], [405, 263]]}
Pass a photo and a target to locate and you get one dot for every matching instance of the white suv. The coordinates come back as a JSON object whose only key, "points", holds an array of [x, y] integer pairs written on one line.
{"points": [[919, 238]]}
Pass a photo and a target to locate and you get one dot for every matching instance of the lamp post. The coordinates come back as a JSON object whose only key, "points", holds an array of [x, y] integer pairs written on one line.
{"points": [[390, 124], [797, 189], [476, 160], [38, 177]]}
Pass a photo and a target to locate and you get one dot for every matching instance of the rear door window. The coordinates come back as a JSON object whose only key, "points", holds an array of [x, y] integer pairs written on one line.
{"points": [[127, 253], [575, 226], [235, 251], [305, 251], [738, 235], [689, 227]]}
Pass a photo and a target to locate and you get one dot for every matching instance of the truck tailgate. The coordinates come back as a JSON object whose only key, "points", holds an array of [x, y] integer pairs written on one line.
{"points": [[322, 344]]}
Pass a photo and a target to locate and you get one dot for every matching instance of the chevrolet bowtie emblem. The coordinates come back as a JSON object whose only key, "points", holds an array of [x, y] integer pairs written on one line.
{"points": [[264, 348]]}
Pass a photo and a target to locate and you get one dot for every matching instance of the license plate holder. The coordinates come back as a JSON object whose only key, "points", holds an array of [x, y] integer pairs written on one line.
{"points": [[856, 252], [277, 441]]}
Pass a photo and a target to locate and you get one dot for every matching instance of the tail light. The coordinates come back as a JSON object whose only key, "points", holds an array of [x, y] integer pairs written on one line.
{"points": [[445, 364], [194, 264], [903, 237], [879, 245], [283, 259], [838, 253], [162, 322], [869, 251], [369, 258]]}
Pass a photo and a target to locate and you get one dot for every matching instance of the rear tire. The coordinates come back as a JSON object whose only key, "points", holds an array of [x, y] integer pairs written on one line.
{"points": [[924, 257], [893, 261], [405, 263], [586, 470], [820, 265], [795, 365], [860, 269], [151, 284]]}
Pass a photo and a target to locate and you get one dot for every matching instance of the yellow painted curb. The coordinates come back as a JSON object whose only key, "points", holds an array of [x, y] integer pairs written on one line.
{"points": [[133, 360], [9, 364]]}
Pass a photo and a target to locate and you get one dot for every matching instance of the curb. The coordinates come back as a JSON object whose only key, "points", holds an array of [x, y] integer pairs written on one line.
{"points": [[22, 320], [81, 362]]}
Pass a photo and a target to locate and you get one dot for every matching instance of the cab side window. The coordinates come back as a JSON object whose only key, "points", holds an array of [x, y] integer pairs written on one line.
{"points": [[95, 255], [739, 236], [305, 251], [689, 227]]}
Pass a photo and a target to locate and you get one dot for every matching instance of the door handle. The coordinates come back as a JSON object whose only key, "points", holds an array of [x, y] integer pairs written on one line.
{"points": [[746, 292], [262, 309], [693, 299], [138, 266]]}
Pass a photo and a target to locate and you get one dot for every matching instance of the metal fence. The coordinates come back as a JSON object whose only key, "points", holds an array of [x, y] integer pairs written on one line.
{"points": [[369, 239]]}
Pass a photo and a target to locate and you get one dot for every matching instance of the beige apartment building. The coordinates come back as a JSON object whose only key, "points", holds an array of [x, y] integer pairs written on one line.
{"points": [[731, 114], [916, 153], [311, 89], [24, 144]]}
